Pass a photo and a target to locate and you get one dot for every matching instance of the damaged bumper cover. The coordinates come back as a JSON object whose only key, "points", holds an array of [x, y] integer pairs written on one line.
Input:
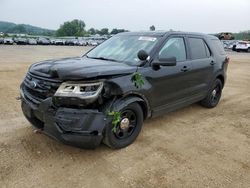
{"points": [[78, 127]]}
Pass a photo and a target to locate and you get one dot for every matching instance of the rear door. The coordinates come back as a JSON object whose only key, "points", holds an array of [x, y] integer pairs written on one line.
{"points": [[202, 66]]}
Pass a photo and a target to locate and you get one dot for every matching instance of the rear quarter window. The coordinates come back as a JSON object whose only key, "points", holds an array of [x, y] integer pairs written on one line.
{"points": [[198, 48], [219, 47]]}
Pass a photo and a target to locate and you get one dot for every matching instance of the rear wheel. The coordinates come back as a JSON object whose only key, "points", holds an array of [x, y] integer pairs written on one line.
{"points": [[127, 130], [214, 95]]}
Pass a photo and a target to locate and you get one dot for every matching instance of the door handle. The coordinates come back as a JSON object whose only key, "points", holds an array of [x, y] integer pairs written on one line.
{"points": [[212, 62], [185, 69]]}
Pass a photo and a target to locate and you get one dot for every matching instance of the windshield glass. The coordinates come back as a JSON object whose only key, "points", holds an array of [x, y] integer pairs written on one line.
{"points": [[123, 48]]}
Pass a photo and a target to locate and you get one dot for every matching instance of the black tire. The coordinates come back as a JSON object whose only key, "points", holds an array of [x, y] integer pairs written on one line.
{"points": [[119, 139], [213, 96]]}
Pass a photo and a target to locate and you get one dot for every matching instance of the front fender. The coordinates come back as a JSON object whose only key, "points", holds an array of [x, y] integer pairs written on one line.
{"points": [[121, 103], [126, 92]]}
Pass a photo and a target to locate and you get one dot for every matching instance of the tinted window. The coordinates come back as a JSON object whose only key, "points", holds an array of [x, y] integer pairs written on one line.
{"points": [[174, 47], [198, 48], [219, 46], [207, 50]]}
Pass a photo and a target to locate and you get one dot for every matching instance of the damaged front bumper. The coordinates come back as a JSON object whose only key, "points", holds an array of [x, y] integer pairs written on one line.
{"points": [[78, 127]]}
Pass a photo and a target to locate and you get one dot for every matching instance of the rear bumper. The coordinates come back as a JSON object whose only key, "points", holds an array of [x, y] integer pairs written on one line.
{"points": [[78, 127]]}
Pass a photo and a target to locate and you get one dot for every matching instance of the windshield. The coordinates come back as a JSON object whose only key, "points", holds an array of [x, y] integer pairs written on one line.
{"points": [[123, 48]]}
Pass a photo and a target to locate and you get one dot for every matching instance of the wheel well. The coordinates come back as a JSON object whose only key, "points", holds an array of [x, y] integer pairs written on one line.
{"points": [[143, 104], [221, 78], [144, 108]]}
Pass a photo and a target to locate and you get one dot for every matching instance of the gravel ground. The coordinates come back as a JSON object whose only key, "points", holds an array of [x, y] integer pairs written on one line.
{"points": [[192, 147]]}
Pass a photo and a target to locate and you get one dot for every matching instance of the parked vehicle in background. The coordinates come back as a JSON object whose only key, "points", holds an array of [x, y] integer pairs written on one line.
{"points": [[243, 46], [32, 41], [229, 44], [52, 41], [105, 95], [59, 42], [81, 42], [71, 42], [43, 41], [92, 43], [100, 40], [1, 40], [8, 41], [21, 41], [225, 44], [234, 45]]}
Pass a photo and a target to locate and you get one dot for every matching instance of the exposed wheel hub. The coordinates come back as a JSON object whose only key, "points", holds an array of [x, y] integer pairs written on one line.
{"points": [[127, 124], [124, 123], [214, 92]]}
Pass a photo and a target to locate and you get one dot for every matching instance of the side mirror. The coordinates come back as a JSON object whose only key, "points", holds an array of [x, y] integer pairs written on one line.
{"points": [[142, 55], [170, 61]]}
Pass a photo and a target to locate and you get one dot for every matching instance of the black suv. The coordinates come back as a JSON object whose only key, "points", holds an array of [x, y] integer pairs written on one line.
{"points": [[106, 94]]}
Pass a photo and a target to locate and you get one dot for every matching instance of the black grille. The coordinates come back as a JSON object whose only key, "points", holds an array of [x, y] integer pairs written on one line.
{"points": [[37, 89]]}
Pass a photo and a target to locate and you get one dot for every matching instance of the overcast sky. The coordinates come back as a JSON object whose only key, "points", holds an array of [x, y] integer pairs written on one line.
{"points": [[208, 16]]}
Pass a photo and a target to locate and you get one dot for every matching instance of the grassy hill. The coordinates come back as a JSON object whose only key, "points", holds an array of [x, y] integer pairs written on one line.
{"points": [[8, 27]]}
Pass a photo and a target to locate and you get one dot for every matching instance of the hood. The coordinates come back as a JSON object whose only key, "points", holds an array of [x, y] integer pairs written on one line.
{"points": [[80, 68]]}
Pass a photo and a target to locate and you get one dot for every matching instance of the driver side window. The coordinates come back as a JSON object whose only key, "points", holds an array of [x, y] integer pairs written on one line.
{"points": [[174, 47]]}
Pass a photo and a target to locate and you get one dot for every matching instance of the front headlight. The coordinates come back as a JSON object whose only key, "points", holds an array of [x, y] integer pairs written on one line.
{"points": [[79, 90]]}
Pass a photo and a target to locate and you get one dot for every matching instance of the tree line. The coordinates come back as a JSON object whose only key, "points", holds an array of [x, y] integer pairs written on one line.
{"points": [[77, 28]]}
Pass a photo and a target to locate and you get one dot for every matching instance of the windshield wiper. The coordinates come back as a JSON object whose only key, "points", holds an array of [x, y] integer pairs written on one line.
{"points": [[102, 58]]}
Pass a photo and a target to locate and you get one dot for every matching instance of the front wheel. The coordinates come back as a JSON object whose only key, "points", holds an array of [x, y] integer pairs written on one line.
{"points": [[214, 95], [126, 131]]}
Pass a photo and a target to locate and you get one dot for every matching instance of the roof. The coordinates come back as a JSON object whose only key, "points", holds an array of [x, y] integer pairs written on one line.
{"points": [[162, 33], [147, 33]]}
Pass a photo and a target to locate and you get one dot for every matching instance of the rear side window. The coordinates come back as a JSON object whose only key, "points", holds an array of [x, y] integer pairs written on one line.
{"points": [[198, 48], [219, 46]]}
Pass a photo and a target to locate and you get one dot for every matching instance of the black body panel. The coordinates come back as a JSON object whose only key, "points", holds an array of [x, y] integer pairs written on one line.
{"points": [[165, 88], [80, 68]]}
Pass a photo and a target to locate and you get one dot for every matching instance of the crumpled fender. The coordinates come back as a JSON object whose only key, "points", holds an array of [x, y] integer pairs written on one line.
{"points": [[126, 100]]}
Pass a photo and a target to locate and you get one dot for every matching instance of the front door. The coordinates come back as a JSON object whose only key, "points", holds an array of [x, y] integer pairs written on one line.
{"points": [[170, 85]]}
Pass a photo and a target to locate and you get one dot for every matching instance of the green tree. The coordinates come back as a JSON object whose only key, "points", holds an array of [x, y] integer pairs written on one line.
{"points": [[97, 31], [17, 29], [152, 28], [104, 31], [92, 31], [115, 31], [72, 28]]}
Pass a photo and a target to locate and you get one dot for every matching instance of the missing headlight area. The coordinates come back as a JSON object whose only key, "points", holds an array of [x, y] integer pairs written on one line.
{"points": [[79, 90]]}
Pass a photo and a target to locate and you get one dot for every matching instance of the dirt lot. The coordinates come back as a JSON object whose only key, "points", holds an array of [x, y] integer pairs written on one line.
{"points": [[192, 147]]}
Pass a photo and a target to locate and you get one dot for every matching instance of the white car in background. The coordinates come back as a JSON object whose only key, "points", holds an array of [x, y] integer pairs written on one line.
{"points": [[243, 46], [32, 41], [59, 42], [93, 43], [8, 41], [82, 43]]}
